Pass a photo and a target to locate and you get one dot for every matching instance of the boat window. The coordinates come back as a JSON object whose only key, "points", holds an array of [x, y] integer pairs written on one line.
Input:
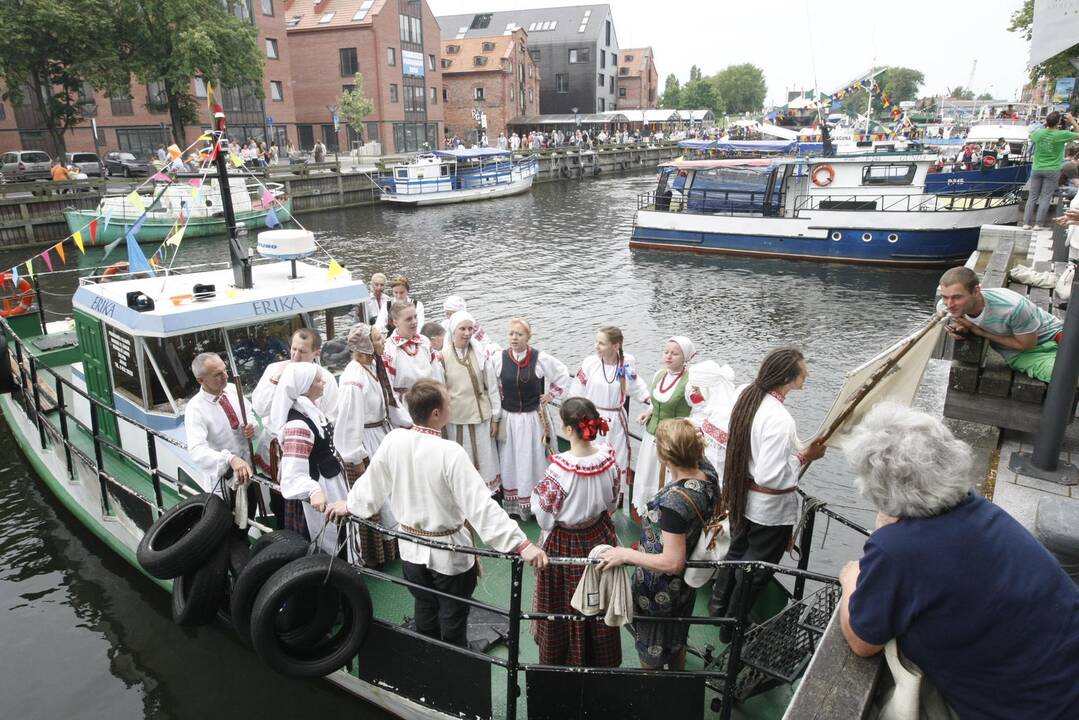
{"points": [[255, 347], [888, 174], [172, 356], [333, 324], [402, 173], [445, 170], [124, 364]]}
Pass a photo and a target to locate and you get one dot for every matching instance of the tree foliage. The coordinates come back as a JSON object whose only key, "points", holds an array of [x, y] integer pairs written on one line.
{"points": [[672, 93], [900, 83], [48, 50], [985, 96], [1054, 67], [695, 73], [961, 93], [353, 105], [701, 94], [173, 41], [741, 87]]}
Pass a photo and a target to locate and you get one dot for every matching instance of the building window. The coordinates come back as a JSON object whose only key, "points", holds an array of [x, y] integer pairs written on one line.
{"points": [[623, 70], [585, 54], [561, 83], [430, 62], [529, 94], [511, 94], [434, 96], [479, 60], [391, 56], [535, 53], [305, 136], [612, 84], [372, 132], [271, 49], [477, 93], [628, 58], [607, 35], [200, 87], [446, 62], [156, 99], [573, 54], [601, 80], [350, 64], [445, 94], [3, 112], [488, 47], [651, 94], [480, 22], [529, 71], [602, 59], [267, 7], [326, 18], [614, 59], [393, 92], [277, 90], [621, 92], [122, 105], [602, 105], [453, 49]]}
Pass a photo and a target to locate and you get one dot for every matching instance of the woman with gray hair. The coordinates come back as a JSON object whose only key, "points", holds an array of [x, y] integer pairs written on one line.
{"points": [[970, 596]]}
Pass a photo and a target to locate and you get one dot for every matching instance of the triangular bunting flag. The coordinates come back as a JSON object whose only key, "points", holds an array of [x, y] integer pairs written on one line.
{"points": [[176, 238], [110, 247], [161, 177], [59, 248], [138, 224], [271, 219], [108, 216], [93, 234], [136, 201], [14, 277], [205, 136], [153, 262], [195, 182], [48, 261], [29, 267], [334, 270], [267, 199], [209, 96], [231, 293], [136, 261], [236, 160], [77, 237]]}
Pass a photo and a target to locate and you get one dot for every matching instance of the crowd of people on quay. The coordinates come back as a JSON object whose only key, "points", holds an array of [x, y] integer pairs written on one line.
{"points": [[456, 439]]}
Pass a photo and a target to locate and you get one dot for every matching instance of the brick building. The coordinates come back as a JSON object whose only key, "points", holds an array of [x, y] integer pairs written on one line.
{"points": [[494, 75], [575, 49], [140, 122], [638, 80], [394, 44]]}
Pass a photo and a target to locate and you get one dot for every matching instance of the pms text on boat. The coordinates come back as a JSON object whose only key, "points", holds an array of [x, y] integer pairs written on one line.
{"points": [[881, 208], [458, 175]]}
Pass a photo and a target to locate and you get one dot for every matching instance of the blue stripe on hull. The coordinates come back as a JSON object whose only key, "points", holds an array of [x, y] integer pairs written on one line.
{"points": [[917, 247]]}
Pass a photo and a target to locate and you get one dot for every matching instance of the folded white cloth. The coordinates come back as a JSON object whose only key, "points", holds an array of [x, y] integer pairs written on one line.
{"points": [[1030, 276], [598, 591]]}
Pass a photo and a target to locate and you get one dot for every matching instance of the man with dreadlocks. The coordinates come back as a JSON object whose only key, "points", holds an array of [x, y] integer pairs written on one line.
{"points": [[760, 473]]}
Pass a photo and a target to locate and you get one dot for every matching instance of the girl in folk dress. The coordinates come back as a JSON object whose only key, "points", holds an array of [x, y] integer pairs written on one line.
{"points": [[362, 421], [673, 396], [608, 379], [408, 357], [573, 505], [526, 433], [475, 405], [309, 467]]}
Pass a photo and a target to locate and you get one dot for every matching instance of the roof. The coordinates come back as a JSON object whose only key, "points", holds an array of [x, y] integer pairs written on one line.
{"points": [[713, 164], [309, 15], [740, 145], [638, 64], [544, 25], [462, 61], [462, 153], [648, 115], [570, 119]]}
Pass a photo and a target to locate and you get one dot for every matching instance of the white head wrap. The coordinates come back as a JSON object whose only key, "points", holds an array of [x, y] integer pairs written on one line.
{"points": [[454, 303], [295, 381], [715, 382], [459, 317], [688, 348]]}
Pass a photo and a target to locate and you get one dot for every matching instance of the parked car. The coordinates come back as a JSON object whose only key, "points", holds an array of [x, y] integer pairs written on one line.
{"points": [[125, 164], [88, 163], [19, 165]]}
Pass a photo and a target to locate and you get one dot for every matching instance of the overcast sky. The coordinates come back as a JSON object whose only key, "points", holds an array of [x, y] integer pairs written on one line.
{"points": [[817, 42]]}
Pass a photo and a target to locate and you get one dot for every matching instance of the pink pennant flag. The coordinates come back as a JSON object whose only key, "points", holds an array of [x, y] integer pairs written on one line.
{"points": [[267, 199], [160, 177], [195, 182], [47, 259]]}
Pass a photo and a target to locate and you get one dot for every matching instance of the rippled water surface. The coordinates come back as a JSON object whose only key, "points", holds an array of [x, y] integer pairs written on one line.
{"points": [[86, 636]]}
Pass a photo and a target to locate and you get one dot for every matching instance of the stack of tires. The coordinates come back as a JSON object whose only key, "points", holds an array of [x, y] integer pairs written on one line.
{"points": [[305, 615]]}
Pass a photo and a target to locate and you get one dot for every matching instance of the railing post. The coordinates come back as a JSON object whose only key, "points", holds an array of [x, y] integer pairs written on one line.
{"points": [[22, 373], [155, 477], [37, 402], [61, 407], [805, 542], [743, 593], [513, 642], [95, 430]]}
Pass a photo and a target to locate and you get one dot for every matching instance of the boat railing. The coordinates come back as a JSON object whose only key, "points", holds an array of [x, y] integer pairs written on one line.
{"points": [[951, 202], [714, 202]]}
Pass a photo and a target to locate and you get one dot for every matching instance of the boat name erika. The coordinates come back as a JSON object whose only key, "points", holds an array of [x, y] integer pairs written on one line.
{"points": [[103, 306], [276, 305]]}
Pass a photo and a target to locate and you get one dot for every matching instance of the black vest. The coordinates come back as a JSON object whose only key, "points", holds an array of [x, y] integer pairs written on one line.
{"points": [[521, 389], [323, 459]]}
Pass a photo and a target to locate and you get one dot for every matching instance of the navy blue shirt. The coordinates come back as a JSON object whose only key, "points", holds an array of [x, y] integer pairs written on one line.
{"points": [[980, 606]]}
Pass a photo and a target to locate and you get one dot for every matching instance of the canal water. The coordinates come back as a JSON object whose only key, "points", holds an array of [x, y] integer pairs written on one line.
{"points": [[86, 636]]}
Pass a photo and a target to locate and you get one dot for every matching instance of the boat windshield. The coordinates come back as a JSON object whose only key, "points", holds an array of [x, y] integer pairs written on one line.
{"points": [[727, 189]]}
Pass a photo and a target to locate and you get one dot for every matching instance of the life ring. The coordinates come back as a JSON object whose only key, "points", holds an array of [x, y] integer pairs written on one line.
{"points": [[115, 269], [184, 537], [21, 299], [333, 577], [197, 595], [989, 162], [827, 171]]}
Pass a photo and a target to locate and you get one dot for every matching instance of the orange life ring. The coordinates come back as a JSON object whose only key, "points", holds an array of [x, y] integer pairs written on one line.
{"points": [[115, 269], [829, 175], [21, 299], [989, 161]]}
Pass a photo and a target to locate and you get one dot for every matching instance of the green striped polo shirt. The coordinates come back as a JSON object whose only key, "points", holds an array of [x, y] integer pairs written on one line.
{"points": [[1007, 312]]}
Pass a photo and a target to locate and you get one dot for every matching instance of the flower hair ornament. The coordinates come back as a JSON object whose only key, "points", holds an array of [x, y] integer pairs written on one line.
{"points": [[590, 427]]}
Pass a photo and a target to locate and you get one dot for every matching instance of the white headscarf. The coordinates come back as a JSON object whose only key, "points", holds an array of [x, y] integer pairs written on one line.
{"points": [[295, 381], [456, 303], [459, 317], [715, 382], [688, 348]]}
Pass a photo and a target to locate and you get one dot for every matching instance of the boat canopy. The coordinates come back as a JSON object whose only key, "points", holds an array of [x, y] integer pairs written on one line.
{"points": [[778, 146], [462, 153], [714, 164]]}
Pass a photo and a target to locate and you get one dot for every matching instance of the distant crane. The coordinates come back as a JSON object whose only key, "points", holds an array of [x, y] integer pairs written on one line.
{"points": [[970, 78]]}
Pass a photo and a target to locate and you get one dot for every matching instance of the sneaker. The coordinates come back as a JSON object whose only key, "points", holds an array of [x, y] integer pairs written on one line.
{"points": [[1026, 227], [1038, 227]]}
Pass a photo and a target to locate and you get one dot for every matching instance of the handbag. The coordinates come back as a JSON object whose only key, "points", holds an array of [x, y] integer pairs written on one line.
{"points": [[712, 545], [913, 697]]}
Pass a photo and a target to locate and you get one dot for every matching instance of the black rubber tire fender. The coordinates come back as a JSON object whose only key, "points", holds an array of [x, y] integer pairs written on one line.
{"points": [[257, 571], [307, 617], [267, 539], [197, 595], [185, 536], [334, 651]]}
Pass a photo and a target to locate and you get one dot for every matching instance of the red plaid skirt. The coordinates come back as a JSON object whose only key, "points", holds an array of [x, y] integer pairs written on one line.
{"points": [[292, 517], [580, 643], [375, 547]]}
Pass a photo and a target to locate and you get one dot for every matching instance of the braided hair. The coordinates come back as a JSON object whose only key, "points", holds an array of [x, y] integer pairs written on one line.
{"points": [[779, 367], [615, 337]]}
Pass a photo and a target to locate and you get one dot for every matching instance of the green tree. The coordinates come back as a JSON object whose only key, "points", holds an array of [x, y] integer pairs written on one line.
{"points": [[960, 93], [1054, 67], [672, 93], [741, 87], [701, 94], [353, 105], [695, 73], [174, 41], [51, 53], [985, 96]]}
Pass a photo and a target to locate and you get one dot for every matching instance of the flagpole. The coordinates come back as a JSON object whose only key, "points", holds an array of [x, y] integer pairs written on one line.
{"points": [[241, 263]]}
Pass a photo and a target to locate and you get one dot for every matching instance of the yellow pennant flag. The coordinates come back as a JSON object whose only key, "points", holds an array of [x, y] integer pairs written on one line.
{"points": [[135, 199], [236, 160], [59, 248], [334, 270], [209, 96], [231, 293], [204, 136], [78, 242], [30, 268], [176, 237]]}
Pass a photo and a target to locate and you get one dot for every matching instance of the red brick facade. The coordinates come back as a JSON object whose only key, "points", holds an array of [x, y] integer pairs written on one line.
{"points": [[495, 75], [638, 80]]}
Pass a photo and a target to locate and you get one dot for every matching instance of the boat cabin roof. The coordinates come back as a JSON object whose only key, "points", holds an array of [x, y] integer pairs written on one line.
{"points": [[472, 153], [275, 294], [714, 164]]}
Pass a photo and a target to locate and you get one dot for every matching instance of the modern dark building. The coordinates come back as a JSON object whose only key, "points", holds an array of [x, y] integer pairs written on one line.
{"points": [[575, 49]]}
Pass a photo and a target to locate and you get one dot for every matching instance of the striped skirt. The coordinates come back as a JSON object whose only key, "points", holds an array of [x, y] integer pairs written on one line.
{"points": [[375, 548]]}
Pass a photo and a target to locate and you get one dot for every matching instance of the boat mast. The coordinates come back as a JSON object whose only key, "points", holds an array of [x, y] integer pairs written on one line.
{"points": [[241, 262]]}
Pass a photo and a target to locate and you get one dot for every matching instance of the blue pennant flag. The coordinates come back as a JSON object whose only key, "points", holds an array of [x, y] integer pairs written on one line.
{"points": [[14, 277], [271, 219], [138, 224], [136, 261], [108, 217]]}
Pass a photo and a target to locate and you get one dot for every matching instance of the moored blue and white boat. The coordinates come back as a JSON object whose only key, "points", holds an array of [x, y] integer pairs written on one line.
{"points": [[873, 208], [461, 175]]}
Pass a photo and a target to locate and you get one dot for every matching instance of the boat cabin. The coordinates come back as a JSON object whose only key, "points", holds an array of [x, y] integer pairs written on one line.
{"points": [[448, 170]]}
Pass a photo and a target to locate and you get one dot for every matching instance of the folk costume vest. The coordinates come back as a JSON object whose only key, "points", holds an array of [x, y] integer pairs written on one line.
{"points": [[521, 389], [322, 462], [675, 406], [469, 404]]}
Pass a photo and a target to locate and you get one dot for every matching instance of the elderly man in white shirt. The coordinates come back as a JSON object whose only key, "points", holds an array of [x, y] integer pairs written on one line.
{"points": [[306, 347], [217, 439], [433, 490]]}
